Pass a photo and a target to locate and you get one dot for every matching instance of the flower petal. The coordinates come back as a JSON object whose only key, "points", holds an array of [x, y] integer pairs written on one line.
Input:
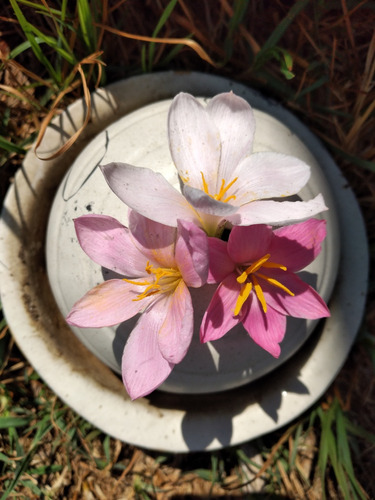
{"points": [[155, 241], [276, 212], [297, 245], [108, 243], [143, 366], [235, 121], [266, 329], [192, 253], [306, 302], [108, 304], [219, 318], [220, 263], [142, 189], [177, 329], [249, 243], [194, 141], [269, 175]]}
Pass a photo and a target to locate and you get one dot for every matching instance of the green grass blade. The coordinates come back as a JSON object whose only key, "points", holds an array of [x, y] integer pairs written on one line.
{"points": [[87, 25], [368, 165], [21, 48], [10, 147], [39, 8], [26, 28], [239, 10], [282, 27], [7, 422], [55, 44], [318, 83], [163, 19], [293, 454]]}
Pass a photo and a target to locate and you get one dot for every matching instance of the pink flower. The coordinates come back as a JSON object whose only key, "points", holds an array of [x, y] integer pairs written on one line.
{"points": [[159, 263], [221, 180], [258, 286]]}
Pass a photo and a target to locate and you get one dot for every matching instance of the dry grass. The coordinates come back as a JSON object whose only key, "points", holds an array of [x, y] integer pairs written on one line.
{"points": [[332, 46]]}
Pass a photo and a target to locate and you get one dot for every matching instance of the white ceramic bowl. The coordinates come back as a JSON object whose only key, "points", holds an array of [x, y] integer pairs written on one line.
{"points": [[163, 421]]}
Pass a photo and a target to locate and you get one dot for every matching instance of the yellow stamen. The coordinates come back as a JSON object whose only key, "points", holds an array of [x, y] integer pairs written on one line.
{"points": [[166, 280], [253, 268], [274, 282], [223, 189], [251, 282], [259, 292], [242, 297], [273, 265], [205, 185]]}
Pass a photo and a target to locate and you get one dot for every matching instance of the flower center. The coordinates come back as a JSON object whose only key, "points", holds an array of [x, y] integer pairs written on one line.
{"points": [[221, 195], [163, 280], [249, 281]]}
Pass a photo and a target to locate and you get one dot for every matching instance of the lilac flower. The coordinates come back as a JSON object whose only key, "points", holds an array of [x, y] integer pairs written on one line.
{"points": [[158, 263], [258, 286]]}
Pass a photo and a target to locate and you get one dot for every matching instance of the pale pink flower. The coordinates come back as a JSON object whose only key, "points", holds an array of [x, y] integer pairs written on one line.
{"points": [[258, 286], [221, 180], [158, 263]]}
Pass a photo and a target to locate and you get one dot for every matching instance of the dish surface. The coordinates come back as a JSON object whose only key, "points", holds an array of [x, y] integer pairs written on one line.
{"points": [[164, 421]]}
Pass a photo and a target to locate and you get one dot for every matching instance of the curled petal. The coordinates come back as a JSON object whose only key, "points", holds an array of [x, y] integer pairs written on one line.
{"points": [[107, 304], [269, 175], [192, 254], [142, 189], [298, 244], [194, 141], [266, 329], [235, 121], [143, 366], [276, 212], [109, 244], [177, 329], [155, 241], [219, 317]]}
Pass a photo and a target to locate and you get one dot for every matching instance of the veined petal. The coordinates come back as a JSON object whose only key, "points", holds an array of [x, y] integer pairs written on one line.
{"points": [[220, 263], [266, 329], [177, 329], [108, 243], [108, 304], [298, 244], [219, 317], [276, 212], [194, 141], [268, 175], [235, 121], [143, 366], [142, 189], [204, 203], [306, 302], [249, 243], [192, 253], [155, 241]]}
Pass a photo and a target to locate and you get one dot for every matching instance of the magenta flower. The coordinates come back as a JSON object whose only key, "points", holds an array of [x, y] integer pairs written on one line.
{"points": [[258, 286], [221, 180], [158, 263]]}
